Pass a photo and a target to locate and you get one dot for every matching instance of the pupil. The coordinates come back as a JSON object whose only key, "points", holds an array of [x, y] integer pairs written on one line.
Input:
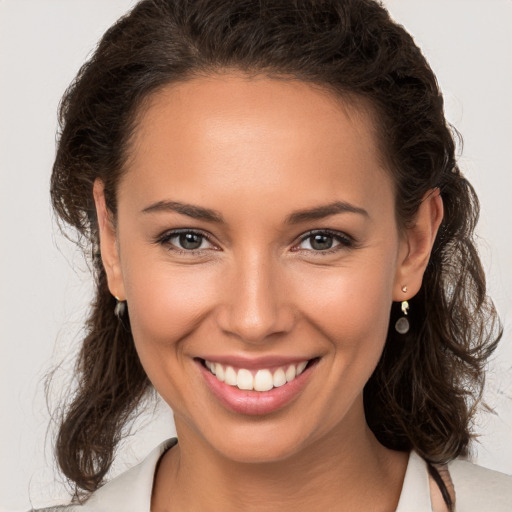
{"points": [[321, 242], [190, 240]]}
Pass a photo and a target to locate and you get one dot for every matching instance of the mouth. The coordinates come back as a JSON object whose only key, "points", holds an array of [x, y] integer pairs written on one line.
{"points": [[259, 379], [256, 387]]}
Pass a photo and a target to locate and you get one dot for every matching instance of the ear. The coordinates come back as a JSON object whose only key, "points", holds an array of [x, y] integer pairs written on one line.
{"points": [[416, 246], [108, 242]]}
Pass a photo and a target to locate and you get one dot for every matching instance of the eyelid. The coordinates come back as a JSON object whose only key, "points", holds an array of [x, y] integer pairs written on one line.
{"points": [[165, 237], [345, 241]]}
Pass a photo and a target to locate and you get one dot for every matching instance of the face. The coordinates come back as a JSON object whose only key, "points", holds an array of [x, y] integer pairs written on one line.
{"points": [[256, 239]]}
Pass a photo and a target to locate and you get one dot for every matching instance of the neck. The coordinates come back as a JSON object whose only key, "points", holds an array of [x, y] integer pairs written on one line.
{"points": [[348, 470]]}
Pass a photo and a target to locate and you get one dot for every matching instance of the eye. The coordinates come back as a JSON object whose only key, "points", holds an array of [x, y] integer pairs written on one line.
{"points": [[185, 241], [190, 241], [324, 241]]}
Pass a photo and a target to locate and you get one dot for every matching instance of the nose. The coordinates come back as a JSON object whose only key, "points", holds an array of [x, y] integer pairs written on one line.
{"points": [[256, 302]]}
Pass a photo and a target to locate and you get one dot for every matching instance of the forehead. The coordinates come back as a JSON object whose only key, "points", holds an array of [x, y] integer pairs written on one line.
{"points": [[234, 134], [220, 101]]}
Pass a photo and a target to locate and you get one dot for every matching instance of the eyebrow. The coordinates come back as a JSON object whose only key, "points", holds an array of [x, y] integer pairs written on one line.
{"points": [[196, 212], [206, 214], [321, 212]]}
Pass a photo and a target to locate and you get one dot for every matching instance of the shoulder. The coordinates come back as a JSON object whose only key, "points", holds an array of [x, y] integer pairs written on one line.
{"points": [[129, 492], [478, 488], [58, 508]]}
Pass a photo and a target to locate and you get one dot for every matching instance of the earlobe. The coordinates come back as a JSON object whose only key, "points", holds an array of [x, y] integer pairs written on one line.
{"points": [[108, 242], [417, 245]]}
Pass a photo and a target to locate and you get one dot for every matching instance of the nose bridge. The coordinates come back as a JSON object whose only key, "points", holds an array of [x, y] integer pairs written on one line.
{"points": [[256, 306]]}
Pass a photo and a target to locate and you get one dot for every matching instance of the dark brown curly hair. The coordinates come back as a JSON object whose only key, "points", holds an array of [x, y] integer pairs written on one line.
{"points": [[423, 393]]}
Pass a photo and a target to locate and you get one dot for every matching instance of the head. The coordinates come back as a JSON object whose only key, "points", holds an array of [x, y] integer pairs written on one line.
{"points": [[363, 125]]}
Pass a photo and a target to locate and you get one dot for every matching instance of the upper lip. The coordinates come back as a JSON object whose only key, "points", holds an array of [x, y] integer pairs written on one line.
{"points": [[254, 363]]}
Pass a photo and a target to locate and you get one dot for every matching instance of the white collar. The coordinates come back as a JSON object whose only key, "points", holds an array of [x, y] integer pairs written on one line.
{"points": [[415, 495], [131, 491]]}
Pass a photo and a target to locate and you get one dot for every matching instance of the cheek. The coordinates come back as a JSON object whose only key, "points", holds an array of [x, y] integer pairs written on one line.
{"points": [[351, 305], [165, 303]]}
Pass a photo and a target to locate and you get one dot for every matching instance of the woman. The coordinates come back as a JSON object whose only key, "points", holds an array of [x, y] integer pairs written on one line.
{"points": [[282, 243]]}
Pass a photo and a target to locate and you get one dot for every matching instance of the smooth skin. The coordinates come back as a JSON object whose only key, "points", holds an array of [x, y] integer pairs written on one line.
{"points": [[254, 152]]}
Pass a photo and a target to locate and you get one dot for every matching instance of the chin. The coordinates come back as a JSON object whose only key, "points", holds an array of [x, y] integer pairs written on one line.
{"points": [[262, 440], [259, 449]]}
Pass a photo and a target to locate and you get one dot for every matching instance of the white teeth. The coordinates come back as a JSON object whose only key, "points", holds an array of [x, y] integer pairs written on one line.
{"points": [[263, 380], [244, 380], [230, 376], [300, 367], [219, 372], [290, 373], [279, 378]]}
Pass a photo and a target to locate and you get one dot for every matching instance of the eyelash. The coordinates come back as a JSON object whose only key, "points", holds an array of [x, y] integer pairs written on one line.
{"points": [[166, 238], [344, 241]]}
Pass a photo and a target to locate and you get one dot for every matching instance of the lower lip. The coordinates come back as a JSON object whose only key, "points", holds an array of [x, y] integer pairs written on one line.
{"points": [[255, 402]]}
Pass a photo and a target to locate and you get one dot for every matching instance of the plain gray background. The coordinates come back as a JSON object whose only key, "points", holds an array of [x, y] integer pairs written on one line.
{"points": [[43, 281]]}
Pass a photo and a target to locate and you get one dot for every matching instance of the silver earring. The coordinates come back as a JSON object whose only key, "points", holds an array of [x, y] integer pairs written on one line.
{"points": [[402, 324], [120, 308]]}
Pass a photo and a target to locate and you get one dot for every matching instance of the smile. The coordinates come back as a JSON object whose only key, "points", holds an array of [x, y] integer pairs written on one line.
{"points": [[259, 386], [256, 380]]}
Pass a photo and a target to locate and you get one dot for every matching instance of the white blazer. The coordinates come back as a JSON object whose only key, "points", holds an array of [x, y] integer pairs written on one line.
{"points": [[476, 489]]}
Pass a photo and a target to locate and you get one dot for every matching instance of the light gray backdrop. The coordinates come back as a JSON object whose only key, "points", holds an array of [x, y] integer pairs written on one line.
{"points": [[43, 297]]}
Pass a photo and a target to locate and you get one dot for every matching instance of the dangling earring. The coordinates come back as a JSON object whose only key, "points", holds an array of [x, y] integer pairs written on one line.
{"points": [[402, 324], [120, 308]]}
